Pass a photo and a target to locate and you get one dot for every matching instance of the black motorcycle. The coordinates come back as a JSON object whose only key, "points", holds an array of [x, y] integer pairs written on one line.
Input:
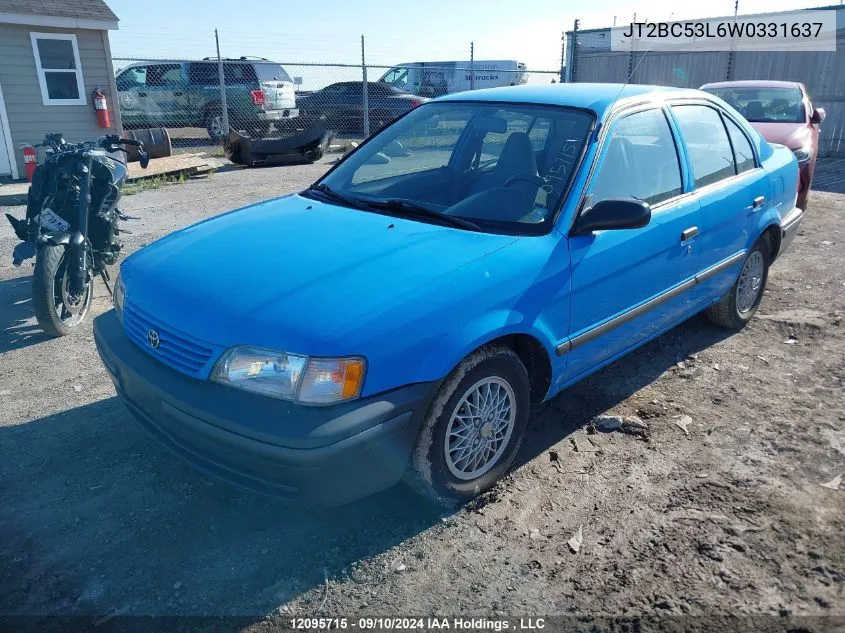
{"points": [[71, 226]]}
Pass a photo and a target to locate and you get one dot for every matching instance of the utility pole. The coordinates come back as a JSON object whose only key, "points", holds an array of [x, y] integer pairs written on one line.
{"points": [[222, 79], [366, 101], [472, 65]]}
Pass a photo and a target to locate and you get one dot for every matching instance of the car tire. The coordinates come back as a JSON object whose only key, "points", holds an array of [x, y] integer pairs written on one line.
{"points": [[214, 123], [735, 309], [449, 464]]}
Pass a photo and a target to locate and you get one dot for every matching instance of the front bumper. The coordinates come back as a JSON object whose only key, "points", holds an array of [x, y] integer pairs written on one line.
{"points": [[326, 455], [789, 228], [805, 181], [278, 115]]}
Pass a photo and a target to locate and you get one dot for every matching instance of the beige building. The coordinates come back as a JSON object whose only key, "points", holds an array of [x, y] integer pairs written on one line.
{"points": [[53, 55]]}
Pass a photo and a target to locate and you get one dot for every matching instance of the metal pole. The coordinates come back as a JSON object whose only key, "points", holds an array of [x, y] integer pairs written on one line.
{"points": [[729, 71], [562, 57], [223, 106], [364, 88], [471, 66]]}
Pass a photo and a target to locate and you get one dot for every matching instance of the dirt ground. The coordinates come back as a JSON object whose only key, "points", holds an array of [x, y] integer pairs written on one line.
{"points": [[726, 516]]}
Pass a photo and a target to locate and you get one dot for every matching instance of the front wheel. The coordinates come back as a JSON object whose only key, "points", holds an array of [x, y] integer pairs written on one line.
{"points": [[57, 311], [474, 427], [736, 308]]}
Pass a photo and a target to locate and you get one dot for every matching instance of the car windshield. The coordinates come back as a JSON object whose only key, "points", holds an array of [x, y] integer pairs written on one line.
{"points": [[764, 105], [503, 168], [397, 77]]}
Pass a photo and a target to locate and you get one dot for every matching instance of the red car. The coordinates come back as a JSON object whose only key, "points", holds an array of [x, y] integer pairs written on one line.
{"points": [[781, 112]]}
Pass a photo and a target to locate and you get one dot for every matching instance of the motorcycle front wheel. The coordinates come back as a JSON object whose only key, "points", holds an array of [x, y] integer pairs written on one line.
{"points": [[57, 312]]}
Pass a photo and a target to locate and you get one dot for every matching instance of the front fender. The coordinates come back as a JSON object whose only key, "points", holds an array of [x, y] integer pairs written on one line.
{"points": [[452, 348], [54, 238]]}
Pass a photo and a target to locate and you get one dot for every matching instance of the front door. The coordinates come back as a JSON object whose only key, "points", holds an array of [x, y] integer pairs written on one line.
{"points": [[629, 284], [131, 86]]}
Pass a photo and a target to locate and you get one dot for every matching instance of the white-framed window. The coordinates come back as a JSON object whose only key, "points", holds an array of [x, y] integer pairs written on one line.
{"points": [[59, 69]]}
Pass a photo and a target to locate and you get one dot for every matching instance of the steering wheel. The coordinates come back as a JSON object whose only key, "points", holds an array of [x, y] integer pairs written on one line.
{"points": [[532, 178]]}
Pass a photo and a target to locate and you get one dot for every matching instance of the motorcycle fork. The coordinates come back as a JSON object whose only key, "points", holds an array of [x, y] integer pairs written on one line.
{"points": [[77, 251]]}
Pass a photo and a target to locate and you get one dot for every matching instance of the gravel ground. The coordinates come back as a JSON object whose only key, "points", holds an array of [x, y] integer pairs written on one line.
{"points": [[715, 508]]}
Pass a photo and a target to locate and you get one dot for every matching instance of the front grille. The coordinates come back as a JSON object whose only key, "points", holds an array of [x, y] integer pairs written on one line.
{"points": [[175, 349]]}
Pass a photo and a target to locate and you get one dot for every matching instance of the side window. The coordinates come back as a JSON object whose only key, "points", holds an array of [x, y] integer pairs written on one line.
{"points": [[131, 77], [203, 74], [742, 148], [707, 143], [641, 161], [239, 74], [164, 75]]}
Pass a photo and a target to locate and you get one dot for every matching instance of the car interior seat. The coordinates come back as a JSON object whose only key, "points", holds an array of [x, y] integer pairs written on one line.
{"points": [[754, 111], [517, 159]]}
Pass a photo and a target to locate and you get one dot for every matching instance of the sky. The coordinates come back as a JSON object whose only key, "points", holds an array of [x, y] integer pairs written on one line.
{"points": [[320, 31]]}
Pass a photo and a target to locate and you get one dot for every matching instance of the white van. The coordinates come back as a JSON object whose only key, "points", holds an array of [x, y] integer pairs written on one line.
{"points": [[432, 79]]}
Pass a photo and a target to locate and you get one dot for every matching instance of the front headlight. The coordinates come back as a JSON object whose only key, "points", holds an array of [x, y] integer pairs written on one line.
{"points": [[291, 376], [118, 295], [803, 154]]}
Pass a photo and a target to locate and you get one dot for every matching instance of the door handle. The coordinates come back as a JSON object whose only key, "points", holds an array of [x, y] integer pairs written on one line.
{"points": [[688, 234], [759, 201], [142, 94]]}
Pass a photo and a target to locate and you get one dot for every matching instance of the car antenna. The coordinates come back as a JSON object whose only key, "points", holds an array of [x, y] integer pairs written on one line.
{"points": [[631, 74]]}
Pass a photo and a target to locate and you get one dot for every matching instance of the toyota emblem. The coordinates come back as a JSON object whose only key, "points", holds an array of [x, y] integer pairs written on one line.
{"points": [[153, 339]]}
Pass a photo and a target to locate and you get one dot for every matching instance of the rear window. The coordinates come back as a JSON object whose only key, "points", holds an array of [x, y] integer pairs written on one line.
{"points": [[764, 105], [271, 72], [203, 73]]}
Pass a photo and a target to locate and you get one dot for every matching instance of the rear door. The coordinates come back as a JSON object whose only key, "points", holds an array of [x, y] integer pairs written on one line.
{"points": [[204, 82], [629, 284], [165, 98], [730, 186]]}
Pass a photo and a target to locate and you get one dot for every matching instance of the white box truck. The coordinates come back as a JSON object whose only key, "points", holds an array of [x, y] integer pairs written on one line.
{"points": [[432, 79]]}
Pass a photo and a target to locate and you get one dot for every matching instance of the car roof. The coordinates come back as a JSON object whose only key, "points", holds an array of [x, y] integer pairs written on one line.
{"points": [[598, 97], [753, 83]]}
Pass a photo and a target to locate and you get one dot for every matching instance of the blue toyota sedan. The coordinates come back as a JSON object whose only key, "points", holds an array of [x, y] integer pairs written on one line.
{"points": [[399, 318]]}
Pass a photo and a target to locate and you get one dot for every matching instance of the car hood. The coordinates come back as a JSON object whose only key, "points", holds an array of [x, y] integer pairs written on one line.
{"points": [[296, 274], [793, 135]]}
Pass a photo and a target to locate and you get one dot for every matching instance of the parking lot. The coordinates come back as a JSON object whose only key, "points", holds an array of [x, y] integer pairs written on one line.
{"points": [[715, 508]]}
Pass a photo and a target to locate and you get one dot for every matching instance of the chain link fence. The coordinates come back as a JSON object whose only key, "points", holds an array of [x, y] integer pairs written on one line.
{"points": [[199, 100]]}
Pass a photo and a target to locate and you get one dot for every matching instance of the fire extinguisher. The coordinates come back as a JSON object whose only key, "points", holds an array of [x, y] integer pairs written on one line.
{"points": [[30, 160], [101, 106]]}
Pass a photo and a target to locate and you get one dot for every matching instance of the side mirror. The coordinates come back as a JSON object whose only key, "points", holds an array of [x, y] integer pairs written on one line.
{"points": [[613, 214], [818, 115], [143, 158]]}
